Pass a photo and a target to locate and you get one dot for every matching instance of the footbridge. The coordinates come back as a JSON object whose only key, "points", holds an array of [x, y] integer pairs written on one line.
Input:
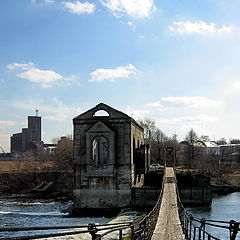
{"points": [[167, 221], [168, 224]]}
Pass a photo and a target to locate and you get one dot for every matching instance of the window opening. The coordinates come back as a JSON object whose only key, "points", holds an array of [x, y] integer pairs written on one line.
{"points": [[101, 113], [100, 150]]}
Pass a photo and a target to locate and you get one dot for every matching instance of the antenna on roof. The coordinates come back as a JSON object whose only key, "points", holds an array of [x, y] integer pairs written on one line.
{"points": [[36, 112]]}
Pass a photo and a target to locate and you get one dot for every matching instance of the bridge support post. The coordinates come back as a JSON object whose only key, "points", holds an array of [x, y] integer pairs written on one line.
{"points": [[234, 226], [93, 230], [132, 232]]}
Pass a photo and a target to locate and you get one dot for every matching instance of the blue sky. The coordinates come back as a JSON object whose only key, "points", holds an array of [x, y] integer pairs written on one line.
{"points": [[175, 62]]}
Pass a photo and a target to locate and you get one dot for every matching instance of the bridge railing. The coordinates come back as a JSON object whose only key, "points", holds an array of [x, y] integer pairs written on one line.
{"points": [[195, 228], [97, 232], [147, 225]]}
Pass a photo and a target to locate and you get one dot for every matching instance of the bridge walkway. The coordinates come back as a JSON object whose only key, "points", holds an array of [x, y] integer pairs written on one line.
{"points": [[168, 223]]}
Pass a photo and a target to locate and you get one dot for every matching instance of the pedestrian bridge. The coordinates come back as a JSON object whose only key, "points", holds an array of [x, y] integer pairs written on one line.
{"points": [[168, 224], [167, 221]]}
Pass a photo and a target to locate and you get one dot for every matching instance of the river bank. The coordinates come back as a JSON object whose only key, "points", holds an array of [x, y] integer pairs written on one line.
{"points": [[227, 183], [59, 184]]}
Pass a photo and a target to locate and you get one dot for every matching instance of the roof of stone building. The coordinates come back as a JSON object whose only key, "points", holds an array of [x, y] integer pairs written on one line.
{"points": [[111, 113], [209, 144]]}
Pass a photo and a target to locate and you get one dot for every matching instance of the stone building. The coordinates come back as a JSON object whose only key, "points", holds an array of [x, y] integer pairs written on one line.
{"points": [[109, 157]]}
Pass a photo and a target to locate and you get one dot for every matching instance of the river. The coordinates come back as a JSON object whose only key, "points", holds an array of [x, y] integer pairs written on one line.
{"points": [[223, 207], [25, 212], [20, 212]]}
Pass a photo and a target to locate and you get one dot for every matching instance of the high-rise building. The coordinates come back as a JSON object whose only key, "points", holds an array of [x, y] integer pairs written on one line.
{"points": [[34, 128], [16, 143], [25, 139], [29, 137]]}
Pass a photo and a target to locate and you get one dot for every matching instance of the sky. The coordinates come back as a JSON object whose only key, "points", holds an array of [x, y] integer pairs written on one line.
{"points": [[175, 62]]}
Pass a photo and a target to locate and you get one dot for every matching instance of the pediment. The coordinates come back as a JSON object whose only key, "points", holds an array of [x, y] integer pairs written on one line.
{"points": [[99, 127], [112, 113]]}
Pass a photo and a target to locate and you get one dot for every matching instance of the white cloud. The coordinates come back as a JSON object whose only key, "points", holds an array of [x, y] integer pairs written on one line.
{"points": [[135, 113], [133, 8], [202, 124], [200, 27], [22, 66], [45, 77], [103, 74], [193, 102], [79, 8], [6, 124], [54, 110], [231, 88], [189, 120], [132, 25]]}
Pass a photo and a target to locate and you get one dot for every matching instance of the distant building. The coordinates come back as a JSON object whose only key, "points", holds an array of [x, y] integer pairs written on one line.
{"points": [[16, 143], [34, 128], [223, 152], [229, 152], [25, 139], [29, 138]]}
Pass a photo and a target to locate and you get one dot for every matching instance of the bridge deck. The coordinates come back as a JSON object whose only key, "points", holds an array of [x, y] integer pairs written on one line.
{"points": [[168, 224]]}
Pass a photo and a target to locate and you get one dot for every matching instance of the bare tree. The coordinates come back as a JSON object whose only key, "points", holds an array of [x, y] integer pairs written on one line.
{"points": [[63, 155], [149, 127], [205, 138], [191, 137], [158, 140], [221, 141]]}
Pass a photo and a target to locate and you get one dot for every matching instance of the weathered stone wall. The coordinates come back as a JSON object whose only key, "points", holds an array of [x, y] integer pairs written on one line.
{"points": [[105, 185], [195, 195], [145, 197]]}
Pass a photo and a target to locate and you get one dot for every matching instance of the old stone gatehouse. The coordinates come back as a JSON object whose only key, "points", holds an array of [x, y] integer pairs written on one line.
{"points": [[109, 157]]}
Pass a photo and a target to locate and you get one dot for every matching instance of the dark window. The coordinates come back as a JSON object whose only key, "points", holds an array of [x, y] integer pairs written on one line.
{"points": [[100, 150]]}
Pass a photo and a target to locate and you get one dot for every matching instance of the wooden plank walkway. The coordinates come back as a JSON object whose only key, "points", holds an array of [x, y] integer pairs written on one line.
{"points": [[168, 225]]}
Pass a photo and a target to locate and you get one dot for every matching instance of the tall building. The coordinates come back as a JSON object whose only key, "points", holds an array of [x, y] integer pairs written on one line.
{"points": [[16, 143], [34, 128], [30, 136], [25, 139]]}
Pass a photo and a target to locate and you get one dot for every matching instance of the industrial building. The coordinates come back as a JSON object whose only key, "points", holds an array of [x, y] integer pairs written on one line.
{"points": [[29, 138]]}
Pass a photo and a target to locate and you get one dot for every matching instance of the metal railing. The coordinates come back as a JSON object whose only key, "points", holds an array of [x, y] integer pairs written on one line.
{"points": [[195, 228], [96, 231], [147, 225]]}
